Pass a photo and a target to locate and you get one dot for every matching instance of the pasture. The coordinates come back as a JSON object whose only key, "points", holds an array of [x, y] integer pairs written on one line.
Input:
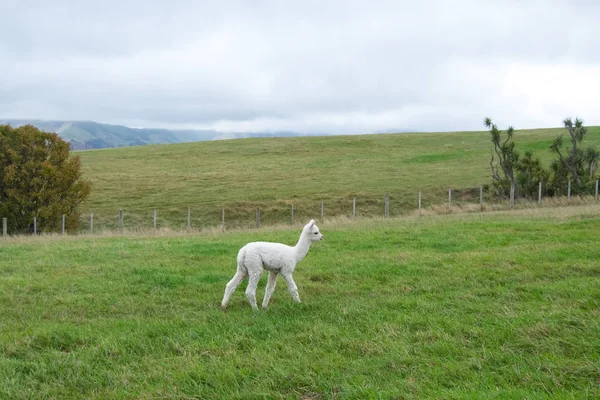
{"points": [[489, 305], [273, 173]]}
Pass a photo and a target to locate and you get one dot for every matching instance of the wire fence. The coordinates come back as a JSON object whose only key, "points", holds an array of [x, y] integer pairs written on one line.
{"points": [[246, 215]]}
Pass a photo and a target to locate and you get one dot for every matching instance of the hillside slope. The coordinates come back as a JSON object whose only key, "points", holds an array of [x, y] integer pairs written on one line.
{"points": [[273, 173]]}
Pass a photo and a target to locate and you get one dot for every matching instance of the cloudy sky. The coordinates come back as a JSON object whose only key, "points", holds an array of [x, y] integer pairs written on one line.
{"points": [[309, 66]]}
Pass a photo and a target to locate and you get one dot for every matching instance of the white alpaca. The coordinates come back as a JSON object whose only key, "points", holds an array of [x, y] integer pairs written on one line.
{"points": [[276, 258]]}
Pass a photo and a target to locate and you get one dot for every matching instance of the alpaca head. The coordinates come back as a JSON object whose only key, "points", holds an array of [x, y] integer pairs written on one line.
{"points": [[312, 231]]}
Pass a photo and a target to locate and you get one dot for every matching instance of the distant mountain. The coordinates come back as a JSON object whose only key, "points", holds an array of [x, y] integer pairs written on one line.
{"points": [[93, 135]]}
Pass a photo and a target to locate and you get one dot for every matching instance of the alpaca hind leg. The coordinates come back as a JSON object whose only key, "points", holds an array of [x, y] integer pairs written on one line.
{"points": [[253, 278], [292, 286], [231, 286], [270, 288]]}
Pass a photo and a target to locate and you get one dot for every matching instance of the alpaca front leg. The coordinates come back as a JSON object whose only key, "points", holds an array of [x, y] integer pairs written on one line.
{"points": [[292, 287], [270, 288]]}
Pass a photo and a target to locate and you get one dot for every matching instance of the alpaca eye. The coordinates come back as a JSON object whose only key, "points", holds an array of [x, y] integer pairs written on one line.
{"points": [[316, 233]]}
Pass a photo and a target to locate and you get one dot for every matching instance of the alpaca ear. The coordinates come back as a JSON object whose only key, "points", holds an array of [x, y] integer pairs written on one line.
{"points": [[310, 223]]}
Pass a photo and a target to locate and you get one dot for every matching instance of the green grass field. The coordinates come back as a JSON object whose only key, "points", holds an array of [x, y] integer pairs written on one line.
{"points": [[490, 305], [240, 175]]}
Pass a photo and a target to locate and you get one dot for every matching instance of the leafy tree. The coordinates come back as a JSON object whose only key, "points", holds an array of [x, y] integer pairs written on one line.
{"points": [[504, 158], [576, 164], [509, 168], [529, 174], [39, 179], [591, 157], [572, 161]]}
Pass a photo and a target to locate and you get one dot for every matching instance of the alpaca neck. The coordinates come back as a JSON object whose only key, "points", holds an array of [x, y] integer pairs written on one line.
{"points": [[301, 248]]}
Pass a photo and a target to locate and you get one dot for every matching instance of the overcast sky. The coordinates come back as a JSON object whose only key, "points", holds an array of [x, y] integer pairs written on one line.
{"points": [[308, 66]]}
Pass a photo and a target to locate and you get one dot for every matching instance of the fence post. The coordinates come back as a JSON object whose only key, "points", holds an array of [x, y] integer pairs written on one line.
{"points": [[569, 192], [449, 197], [292, 213], [540, 193], [63, 224], [481, 198], [387, 205], [35, 225], [596, 189], [154, 222], [322, 208], [257, 217], [92, 222], [419, 203], [120, 220], [4, 223], [188, 219], [354, 208], [223, 219], [512, 194]]}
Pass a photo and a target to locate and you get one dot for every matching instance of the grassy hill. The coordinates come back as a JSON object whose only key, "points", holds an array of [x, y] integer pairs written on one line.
{"points": [[467, 306], [273, 173]]}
